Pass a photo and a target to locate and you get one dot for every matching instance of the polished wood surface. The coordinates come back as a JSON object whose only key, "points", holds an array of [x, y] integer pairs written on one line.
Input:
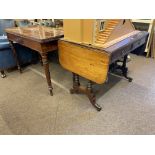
{"points": [[33, 44], [94, 63], [39, 38], [87, 62], [92, 56], [37, 33]]}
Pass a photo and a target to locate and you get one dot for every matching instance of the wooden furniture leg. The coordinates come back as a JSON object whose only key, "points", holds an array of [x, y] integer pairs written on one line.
{"points": [[122, 67], [76, 84], [77, 88], [47, 72], [91, 96], [3, 75], [125, 69], [16, 56], [40, 59]]}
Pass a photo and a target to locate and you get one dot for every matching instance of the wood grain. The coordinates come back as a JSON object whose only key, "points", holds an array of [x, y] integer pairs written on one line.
{"points": [[40, 34], [87, 62], [33, 44]]}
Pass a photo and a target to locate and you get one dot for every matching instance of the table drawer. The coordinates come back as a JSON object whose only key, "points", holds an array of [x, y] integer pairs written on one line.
{"points": [[138, 43], [35, 45], [16, 39], [25, 42], [116, 55]]}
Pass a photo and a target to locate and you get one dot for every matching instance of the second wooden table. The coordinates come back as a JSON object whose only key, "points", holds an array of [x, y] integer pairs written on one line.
{"points": [[39, 38]]}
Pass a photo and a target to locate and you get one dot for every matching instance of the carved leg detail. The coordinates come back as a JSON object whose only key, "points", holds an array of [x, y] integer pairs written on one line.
{"points": [[115, 66], [92, 97], [3, 75], [47, 72], [76, 84], [77, 88], [16, 56]]}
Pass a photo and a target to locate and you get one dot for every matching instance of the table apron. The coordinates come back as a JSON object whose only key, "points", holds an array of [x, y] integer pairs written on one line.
{"points": [[34, 45]]}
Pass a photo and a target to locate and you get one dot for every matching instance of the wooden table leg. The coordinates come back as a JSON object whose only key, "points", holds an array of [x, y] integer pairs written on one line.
{"points": [[91, 96], [76, 84], [16, 56], [77, 88], [40, 59], [47, 72], [3, 75], [125, 69]]}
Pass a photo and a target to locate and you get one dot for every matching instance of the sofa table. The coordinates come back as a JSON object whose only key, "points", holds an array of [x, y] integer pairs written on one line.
{"points": [[39, 38]]}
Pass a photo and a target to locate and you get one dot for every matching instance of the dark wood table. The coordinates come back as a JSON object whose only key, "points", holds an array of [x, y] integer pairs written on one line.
{"points": [[39, 38]]}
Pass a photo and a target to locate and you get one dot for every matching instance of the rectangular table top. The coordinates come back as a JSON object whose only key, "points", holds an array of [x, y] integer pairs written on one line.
{"points": [[37, 33]]}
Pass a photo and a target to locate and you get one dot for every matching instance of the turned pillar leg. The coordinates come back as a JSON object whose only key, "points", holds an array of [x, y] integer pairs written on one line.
{"points": [[3, 75], [76, 79], [16, 56], [47, 72], [77, 88], [76, 84]]}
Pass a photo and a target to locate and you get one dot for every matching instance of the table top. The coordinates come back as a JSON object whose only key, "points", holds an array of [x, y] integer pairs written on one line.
{"points": [[115, 46], [37, 33]]}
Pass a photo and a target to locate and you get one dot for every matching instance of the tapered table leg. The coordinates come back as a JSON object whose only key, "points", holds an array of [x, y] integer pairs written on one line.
{"points": [[47, 72], [3, 75], [16, 56], [40, 59]]}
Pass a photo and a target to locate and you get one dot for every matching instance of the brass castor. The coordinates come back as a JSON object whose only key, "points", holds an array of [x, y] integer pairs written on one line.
{"points": [[130, 79], [72, 91], [51, 92], [98, 107], [3, 75]]}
